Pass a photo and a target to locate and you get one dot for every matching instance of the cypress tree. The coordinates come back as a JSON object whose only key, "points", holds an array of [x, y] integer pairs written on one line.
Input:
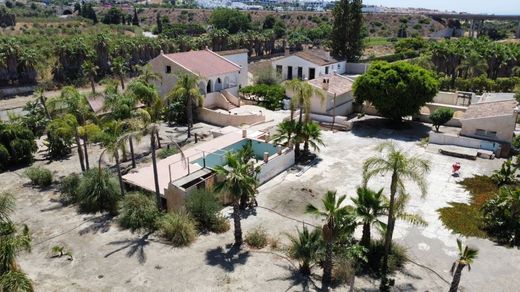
{"points": [[159, 23], [346, 37], [135, 19]]}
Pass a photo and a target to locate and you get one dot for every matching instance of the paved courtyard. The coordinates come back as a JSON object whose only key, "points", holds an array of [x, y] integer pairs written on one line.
{"points": [[109, 259]]}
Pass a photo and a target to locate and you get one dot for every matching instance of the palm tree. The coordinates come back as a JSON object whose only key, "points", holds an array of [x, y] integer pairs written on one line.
{"points": [[187, 91], [151, 129], [473, 65], [90, 70], [40, 96], [306, 248], [302, 94], [284, 132], [334, 215], [466, 257], [311, 136], [146, 74], [119, 68], [369, 206], [238, 182], [402, 168]]}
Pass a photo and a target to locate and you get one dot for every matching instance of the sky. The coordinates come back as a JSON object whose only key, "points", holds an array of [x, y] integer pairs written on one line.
{"points": [[471, 6]]}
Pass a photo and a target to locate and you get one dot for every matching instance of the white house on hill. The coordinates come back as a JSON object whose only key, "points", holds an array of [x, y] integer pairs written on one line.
{"points": [[308, 64]]}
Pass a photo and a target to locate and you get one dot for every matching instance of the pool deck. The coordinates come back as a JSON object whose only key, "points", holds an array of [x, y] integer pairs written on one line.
{"points": [[143, 177]]}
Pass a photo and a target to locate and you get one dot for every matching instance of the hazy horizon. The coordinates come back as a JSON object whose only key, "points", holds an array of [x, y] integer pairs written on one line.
{"points": [[506, 7]]}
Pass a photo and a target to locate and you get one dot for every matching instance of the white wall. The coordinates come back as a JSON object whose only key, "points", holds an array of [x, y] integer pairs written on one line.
{"points": [[504, 127], [241, 60], [343, 104], [296, 62], [275, 165]]}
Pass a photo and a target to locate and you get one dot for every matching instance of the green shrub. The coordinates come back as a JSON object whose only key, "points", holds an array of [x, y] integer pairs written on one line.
{"points": [[69, 188], [4, 157], [165, 152], [39, 176], [374, 256], [257, 238], [138, 212], [440, 117], [179, 228], [98, 191], [220, 225], [203, 207]]}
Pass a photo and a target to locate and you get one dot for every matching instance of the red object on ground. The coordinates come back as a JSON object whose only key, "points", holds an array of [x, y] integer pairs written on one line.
{"points": [[455, 167]]}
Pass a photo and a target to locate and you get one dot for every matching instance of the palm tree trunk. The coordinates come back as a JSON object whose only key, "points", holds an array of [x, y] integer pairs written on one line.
{"points": [[119, 175], [456, 278], [155, 174], [327, 266], [158, 139], [93, 85], [80, 152], [130, 141], [122, 82], [243, 202], [44, 104], [85, 150], [305, 268], [365, 238], [238, 226], [189, 115], [388, 235]]}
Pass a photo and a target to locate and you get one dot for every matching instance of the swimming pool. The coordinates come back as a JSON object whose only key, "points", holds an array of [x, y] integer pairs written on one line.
{"points": [[219, 157]]}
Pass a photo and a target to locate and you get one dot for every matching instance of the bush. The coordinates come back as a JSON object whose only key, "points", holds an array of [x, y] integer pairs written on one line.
{"points": [[500, 219], [19, 142], [69, 188], [179, 228], [39, 176], [440, 117], [4, 157], [257, 238], [221, 224], [98, 191], [374, 256], [138, 212], [165, 152], [203, 207]]}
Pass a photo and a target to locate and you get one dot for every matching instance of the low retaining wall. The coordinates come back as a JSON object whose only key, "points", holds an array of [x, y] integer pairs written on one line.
{"points": [[12, 91], [275, 165], [221, 119], [445, 139]]}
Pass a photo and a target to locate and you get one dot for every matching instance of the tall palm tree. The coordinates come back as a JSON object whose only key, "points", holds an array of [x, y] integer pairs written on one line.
{"points": [[334, 215], [466, 257], [306, 248], [90, 71], [151, 129], [311, 136], [119, 68], [146, 74], [238, 182], [402, 168], [189, 92], [368, 207], [302, 93]]}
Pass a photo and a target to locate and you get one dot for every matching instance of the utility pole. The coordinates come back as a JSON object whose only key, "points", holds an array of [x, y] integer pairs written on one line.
{"points": [[333, 113]]}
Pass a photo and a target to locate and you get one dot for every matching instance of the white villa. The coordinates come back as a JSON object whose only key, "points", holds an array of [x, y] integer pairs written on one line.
{"points": [[308, 64]]}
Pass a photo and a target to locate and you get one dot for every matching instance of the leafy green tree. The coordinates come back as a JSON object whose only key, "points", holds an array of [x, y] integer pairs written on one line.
{"points": [[502, 216], [346, 37], [440, 117], [466, 257], [369, 206], [402, 168], [113, 16], [473, 65], [506, 175], [396, 89], [187, 91], [306, 248], [238, 182], [232, 20], [268, 96], [18, 143], [333, 214], [60, 136], [138, 211]]}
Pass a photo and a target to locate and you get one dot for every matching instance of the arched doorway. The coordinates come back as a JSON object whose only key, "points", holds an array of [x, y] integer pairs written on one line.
{"points": [[218, 85], [208, 87]]}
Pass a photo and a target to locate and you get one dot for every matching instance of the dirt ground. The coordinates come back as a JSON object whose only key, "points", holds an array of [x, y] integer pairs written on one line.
{"points": [[107, 258]]}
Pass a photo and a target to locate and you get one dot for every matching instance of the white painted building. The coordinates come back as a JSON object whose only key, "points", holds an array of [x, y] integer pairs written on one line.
{"points": [[308, 64], [240, 58]]}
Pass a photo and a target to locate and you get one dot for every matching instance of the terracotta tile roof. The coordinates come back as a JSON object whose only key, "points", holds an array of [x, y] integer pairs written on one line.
{"points": [[204, 63], [317, 56], [337, 84], [490, 109]]}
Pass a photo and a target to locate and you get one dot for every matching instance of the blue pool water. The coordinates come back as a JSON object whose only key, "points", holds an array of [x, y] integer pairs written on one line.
{"points": [[218, 157]]}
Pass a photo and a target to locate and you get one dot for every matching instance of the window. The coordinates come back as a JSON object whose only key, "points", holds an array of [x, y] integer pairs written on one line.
{"points": [[300, 73], [327, 70], [168, 69], [480, 132], [279, 69], [289, 72], [312, 73]]}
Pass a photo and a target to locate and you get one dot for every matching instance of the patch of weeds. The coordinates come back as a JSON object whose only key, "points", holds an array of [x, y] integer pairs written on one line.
{"points": [[165, 152], [467, 219], [257, 238], [39, 176]]}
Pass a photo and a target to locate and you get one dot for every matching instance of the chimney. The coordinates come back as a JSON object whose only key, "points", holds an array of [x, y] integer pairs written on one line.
{"points": [[244, 133], [266, 157], [162, 52], [325, 84], [286, 51]]}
